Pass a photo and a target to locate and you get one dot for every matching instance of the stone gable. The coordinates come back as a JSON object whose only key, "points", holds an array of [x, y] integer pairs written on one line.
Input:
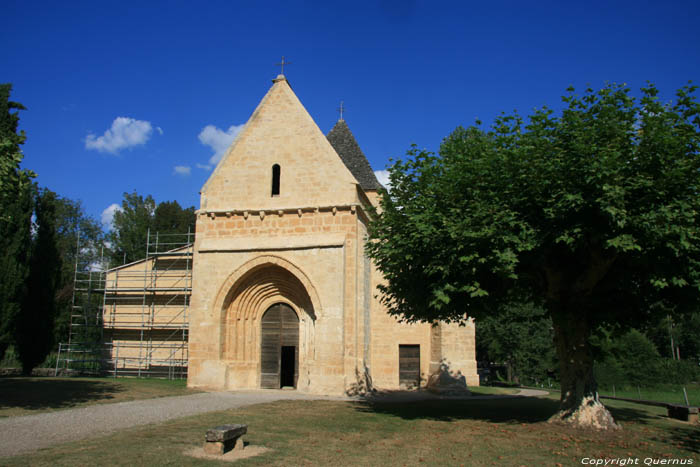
{"points": [[282, 132]]}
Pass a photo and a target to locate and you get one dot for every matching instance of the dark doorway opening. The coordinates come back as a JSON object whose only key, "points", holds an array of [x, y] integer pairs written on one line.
{"points": [[279, 366], [288, 360]]}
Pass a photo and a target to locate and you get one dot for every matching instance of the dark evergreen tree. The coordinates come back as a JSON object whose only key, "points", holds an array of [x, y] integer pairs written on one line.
{"points": [[15, 244], [171, 226], [36, 321], [170, 218], [15, 219]]}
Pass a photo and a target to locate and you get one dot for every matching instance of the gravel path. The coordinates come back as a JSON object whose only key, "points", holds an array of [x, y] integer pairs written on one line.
{"points": [[24, 434], [19, 435], [532, 393]]}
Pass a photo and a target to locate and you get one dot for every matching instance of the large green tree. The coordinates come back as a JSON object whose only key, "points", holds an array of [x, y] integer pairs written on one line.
{"points": [[72, 222], [594, 212], [130, 228], [171, 219], [137, 217], [15, 219]]}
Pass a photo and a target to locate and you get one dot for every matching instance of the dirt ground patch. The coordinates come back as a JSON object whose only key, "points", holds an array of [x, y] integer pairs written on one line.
{"points": [[231, 456]]}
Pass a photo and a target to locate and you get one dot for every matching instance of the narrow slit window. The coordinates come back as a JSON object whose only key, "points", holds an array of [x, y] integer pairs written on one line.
{"points": [[275, 180]]}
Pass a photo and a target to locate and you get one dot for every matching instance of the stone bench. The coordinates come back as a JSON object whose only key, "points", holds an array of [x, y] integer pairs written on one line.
{"points": [[683, 412], [224, 438]]}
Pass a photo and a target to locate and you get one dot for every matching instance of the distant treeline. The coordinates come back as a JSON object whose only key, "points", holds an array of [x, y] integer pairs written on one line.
{"points": [[517, 346]]}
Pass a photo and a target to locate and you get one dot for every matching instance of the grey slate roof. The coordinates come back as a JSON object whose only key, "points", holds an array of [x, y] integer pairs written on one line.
{"points": [[346, 146]]}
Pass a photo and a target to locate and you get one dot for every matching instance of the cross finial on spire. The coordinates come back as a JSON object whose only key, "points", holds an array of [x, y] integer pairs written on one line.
{"points": [[282, 64], [341, 109]]}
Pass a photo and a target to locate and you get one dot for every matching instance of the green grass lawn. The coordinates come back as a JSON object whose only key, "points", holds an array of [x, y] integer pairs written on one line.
{"points": [[450, 433], [28, 395], [667, 393], [671, 393]]}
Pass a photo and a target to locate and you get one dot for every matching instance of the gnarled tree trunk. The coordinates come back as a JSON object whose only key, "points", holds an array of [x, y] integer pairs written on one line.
{"points": [[580, 406]]}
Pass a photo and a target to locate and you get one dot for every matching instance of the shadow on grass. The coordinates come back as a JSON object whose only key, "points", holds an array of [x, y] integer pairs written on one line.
{"points": [[512, 410], [506, 410], [48, 393], [686, 436]]}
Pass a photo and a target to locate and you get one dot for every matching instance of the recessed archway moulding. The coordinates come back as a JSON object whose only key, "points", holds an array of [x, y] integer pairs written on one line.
{"points": [[252, 289]]}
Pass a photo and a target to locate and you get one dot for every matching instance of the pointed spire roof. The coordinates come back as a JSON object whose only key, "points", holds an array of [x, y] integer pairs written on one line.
{"points": [[344, 143]]}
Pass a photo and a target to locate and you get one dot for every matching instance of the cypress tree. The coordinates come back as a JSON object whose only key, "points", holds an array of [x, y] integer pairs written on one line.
{"points": [[36, 321], [15, 219]]}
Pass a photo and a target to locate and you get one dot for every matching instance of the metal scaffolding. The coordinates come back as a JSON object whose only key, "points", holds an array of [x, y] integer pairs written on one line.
{"points": [[132, 320]]}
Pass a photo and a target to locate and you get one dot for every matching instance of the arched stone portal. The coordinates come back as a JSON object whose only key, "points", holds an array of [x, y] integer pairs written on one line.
{"points": [[268, 321], [279, 354]]}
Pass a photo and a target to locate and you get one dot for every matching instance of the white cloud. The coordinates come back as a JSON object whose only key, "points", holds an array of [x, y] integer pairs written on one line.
{"points": [[219, 140], [203, 166], [159, 130], [108, 215], [96, 266], [183, 170], [383, 177], [124, 133]]}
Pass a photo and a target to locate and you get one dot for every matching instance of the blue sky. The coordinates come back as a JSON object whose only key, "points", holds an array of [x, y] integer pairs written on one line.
{"points": [[125, 96]]}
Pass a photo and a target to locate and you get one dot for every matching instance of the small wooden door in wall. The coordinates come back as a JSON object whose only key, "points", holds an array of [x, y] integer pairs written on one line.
{"points": [[279, 364], [409, 365]]}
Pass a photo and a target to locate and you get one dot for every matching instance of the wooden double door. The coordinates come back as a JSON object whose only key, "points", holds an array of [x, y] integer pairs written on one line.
{"points": [[280, 348]]}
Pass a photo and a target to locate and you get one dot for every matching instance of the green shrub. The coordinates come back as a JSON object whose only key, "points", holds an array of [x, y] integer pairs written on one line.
{"points": [[11, 359], [50, 360], [609, 373], [632, 360], [678, 371]]}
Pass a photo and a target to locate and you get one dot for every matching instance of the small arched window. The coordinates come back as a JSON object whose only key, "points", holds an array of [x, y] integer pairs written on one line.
{"points": [[276, 180]]}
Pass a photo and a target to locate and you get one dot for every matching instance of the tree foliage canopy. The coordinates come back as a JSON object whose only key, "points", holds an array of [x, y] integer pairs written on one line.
{"points": [[130, 228], [137, 216], [10, 153], [609, 190], [593, 212]]}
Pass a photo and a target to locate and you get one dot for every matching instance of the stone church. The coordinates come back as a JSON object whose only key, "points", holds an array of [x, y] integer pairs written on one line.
{"points": [[283, 294]]}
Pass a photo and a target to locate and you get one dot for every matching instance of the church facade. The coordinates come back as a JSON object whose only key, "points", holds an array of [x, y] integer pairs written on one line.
{"points": [[283, 294]]}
